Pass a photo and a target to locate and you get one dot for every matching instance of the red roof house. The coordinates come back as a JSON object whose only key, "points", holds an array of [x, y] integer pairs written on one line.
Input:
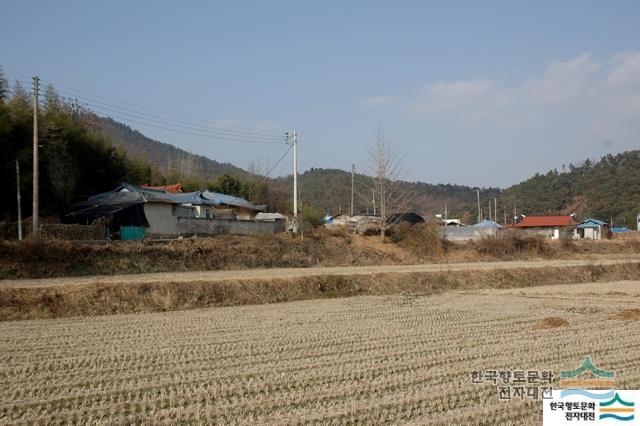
{"points": [[175, 188], [545, 222]]}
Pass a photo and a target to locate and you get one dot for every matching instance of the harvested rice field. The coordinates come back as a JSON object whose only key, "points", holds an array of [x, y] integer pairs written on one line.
{"points": [[367, 360]]}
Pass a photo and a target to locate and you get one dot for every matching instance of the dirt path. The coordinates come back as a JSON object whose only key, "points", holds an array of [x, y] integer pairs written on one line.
{"points": [[214, 276]]}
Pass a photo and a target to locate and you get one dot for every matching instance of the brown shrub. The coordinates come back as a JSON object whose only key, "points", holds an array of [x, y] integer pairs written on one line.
{"points": [[514, 246], [421, 239]]}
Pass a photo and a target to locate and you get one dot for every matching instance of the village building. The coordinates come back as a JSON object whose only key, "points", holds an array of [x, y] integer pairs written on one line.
{"points": [[548, 226], [591, 229], [134, 212]]}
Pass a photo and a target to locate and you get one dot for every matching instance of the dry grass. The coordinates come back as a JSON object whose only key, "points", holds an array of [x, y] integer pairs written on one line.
{"points": [[514, 246], [418, 244], [361, 360], [424, 240], [95, 298], [59, 258], [551, 322]]}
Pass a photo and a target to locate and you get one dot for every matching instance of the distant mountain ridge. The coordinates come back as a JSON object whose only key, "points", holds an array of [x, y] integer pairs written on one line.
{"points": [[326, 190], [608, 189], [163, 156]]}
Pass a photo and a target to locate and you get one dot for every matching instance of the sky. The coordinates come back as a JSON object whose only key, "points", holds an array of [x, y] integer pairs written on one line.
{"points": [[475, 93]]}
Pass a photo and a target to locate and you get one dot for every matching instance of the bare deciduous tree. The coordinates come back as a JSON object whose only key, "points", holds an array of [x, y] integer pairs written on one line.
{"points": [[387, 174]]}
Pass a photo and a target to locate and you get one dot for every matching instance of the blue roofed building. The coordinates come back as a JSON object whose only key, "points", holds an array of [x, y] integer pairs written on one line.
{"points": [[164, 213], [591, 229]]}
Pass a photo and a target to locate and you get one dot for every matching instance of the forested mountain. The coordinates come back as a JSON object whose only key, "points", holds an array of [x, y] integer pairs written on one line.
{"points": [[170, 161], [606, 189]]}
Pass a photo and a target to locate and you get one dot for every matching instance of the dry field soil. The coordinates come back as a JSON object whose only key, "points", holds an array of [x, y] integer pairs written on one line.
{"points": [[367, 359]]}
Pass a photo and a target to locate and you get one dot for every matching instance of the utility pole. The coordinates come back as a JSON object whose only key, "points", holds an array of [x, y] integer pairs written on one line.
{"points": [[353, 173], [36, 212], [495, 209], [445, 214], [295, 175], [479, 212], [19, 202], [490, 218], [373, 200]]}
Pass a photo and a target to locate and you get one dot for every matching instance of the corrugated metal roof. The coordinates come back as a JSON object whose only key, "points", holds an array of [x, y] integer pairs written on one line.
{"points": [[224, 199], [133, 194], [591, 223], [544, 221], [487, 224]]}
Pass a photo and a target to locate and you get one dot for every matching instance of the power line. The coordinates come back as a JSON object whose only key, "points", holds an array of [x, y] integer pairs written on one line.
{"points": [[193, 120], [159, 122], [218, 138], [278, 162], [138, 118], [181, 123]]}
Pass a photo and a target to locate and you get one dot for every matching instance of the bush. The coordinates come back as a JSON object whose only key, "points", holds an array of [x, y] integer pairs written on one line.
{"points": [[312, 216], [422, 239], [513, 245]]}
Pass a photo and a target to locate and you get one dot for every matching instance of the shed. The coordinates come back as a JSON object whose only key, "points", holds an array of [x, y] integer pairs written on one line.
{"points": [[591, 229]]}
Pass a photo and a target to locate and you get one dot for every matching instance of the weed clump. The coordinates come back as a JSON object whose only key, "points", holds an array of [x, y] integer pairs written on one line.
{"points": [[421, 239], [512, 245]]}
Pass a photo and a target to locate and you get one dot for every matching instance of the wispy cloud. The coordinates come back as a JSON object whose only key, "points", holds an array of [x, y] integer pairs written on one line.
{"points": [[603, 97]]}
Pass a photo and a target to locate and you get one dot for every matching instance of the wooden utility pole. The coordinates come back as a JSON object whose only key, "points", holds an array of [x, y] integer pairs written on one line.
{"points": [[495, 209], [479, 211], [19, 202], [36, 213], [353, 173]]}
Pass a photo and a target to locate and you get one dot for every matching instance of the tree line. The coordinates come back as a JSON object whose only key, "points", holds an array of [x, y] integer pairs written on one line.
{"points": [[77, 160]]}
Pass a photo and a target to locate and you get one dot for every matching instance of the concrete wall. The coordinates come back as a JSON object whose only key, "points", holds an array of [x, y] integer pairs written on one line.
{"points": [[170, 221], [161, 219], [553, 233], [189, 226], [466, 233]]}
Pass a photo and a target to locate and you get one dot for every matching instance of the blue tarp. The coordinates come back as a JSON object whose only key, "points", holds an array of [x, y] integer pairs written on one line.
{"points": [[133, 194], [620, 230], [224, 199]]}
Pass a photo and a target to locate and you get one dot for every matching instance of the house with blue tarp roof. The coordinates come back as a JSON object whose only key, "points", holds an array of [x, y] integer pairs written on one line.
{"points": [[162, 212], [591, 229]]}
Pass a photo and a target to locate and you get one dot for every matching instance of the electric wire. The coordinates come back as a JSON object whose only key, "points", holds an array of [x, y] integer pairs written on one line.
{"points": [[278, 162], [193, 120]]}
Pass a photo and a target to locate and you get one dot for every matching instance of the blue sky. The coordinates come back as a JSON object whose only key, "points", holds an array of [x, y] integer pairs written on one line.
{"points": [[477, 93]]}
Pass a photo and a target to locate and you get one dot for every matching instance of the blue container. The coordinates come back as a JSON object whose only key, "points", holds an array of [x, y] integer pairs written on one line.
{"points": [[132, 233]]}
